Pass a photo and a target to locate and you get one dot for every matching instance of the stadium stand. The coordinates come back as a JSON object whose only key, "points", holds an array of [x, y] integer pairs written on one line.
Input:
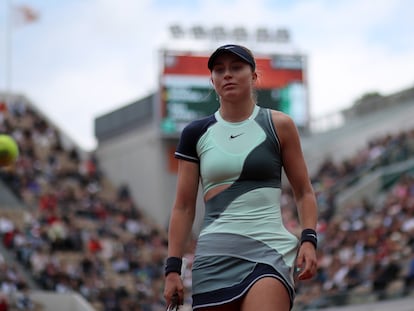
{"points": [[76, 232]]}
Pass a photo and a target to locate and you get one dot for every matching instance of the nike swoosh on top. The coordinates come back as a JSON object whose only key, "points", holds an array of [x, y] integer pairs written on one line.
{"points": [[234, 136]]}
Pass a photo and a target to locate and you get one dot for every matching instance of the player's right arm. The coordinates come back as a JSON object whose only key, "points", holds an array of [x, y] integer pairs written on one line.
{"points": [[181, 222]]}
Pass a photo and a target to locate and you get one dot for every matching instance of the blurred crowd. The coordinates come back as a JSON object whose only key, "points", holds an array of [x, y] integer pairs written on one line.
{"points": [[366, 247], [78, 233]]}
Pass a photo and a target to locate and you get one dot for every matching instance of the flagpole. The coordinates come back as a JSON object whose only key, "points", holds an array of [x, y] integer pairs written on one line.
{"points": [[9, 52]]}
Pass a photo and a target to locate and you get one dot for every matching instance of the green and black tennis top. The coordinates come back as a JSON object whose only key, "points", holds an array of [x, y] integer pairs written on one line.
{"points": [[244, 221]]}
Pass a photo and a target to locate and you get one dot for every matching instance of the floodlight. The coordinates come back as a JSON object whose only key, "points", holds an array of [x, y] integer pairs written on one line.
{"points": [[282, 35], [219, 33], [239, 33], [199, 32], [176, 31], [262, 34]]}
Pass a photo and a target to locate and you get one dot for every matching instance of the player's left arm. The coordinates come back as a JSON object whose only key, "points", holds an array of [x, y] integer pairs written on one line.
{"points": [[297, 174]]}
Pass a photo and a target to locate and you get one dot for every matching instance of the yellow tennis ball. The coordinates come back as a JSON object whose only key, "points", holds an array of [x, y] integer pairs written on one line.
{"points": [[9, 151]]}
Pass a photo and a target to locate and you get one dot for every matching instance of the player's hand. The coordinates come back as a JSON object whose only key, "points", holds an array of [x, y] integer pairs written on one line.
{"points": [[174, 290], [306, 262]]}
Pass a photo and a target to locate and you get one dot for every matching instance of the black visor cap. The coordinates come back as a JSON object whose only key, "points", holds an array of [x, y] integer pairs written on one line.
{"points": [[234, 49]]}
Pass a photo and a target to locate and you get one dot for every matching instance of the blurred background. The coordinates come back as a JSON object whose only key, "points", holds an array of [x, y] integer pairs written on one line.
{"points": [[96, 94]]}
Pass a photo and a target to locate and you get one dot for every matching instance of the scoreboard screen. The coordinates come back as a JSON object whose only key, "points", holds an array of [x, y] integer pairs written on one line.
{"points": [[186, 92]]}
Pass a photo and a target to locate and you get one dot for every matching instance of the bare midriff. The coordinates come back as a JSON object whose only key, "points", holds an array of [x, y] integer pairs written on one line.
{"points": [[214, 191]]}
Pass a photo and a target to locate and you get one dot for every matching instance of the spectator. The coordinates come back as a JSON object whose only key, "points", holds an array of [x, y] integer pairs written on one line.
{"points": [[24, 301], [409, 277]]}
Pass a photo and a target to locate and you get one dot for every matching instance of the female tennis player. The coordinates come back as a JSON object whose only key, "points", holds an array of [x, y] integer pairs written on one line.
{"points": [[245, 257]]}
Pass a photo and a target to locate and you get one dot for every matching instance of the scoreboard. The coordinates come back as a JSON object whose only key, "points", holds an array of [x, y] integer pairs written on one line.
{"points": [[186, 92]]}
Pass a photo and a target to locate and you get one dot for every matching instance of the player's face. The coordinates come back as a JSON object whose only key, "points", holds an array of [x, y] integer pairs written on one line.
{"points": [[231, 77]]}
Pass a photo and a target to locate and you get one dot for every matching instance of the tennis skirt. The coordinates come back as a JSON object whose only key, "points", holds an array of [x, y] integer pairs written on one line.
{"points": [[233, 293]]}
